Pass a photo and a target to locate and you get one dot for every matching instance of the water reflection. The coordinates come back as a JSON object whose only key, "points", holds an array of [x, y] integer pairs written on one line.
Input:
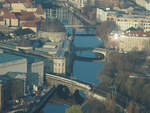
{"points": [[85, 71], [55, 108]]}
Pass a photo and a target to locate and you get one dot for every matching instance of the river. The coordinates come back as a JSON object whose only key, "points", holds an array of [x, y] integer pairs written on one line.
{"points": [[85, 71]]}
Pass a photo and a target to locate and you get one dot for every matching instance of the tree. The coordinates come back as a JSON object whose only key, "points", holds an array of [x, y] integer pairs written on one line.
{"points": [[136, 110], [130, 107], [110, 104], [74, 109]]}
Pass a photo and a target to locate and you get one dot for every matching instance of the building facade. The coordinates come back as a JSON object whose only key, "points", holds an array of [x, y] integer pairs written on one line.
{"points": [[130, 40], [124, 21], [56, 47], [144, 3], [78, 3], [11, 63]]}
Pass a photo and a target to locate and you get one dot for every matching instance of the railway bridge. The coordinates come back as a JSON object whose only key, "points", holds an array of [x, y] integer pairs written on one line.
{"points": [[73, 85]]}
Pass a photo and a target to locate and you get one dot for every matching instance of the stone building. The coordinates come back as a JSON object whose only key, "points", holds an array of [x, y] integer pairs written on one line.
{"points": [[124, 20], [56, 46], [129, 40]]}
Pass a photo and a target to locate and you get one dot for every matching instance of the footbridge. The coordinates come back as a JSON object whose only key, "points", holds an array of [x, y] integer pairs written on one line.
{"points": [[89, 59], [73, 85], [92, 49], [100, 50]]}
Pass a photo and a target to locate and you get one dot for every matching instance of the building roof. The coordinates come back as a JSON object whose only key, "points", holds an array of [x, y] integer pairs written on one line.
{"points": [[52, 25], [29, 24], [10, 15], [26, 16], [4, 57]]}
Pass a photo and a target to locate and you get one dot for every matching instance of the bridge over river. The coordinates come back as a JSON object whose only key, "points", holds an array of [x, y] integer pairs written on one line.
{"points": [[100, 57], [73, 85]]}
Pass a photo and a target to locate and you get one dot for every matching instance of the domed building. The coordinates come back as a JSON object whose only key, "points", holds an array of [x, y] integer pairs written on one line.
{"points": [[52, 30], [56, 46]]}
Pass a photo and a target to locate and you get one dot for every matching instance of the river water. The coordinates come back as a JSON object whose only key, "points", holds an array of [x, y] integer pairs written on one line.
{"points": [[85, 71]]}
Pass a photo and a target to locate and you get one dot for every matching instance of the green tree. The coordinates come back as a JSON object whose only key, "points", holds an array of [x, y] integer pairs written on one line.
{"points": [[74, 109]]}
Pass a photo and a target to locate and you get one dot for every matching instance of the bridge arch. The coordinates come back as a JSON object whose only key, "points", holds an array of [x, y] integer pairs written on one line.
{"points": [[72, 85]]}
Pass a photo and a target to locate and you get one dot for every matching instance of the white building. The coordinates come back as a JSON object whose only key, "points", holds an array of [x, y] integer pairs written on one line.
{"points": [[101, 14], [144, 3], [129, 40], [78, 3]]}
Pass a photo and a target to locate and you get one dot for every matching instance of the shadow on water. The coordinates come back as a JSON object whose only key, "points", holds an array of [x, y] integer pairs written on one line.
{"points": [[86, 71]]}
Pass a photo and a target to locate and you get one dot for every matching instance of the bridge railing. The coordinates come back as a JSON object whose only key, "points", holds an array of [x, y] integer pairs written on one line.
{"points": [[71, 81]]}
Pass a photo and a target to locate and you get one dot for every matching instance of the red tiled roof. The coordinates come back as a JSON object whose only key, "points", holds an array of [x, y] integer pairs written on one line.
{"points": [[10, 15], [29, 24], [26, 16]]}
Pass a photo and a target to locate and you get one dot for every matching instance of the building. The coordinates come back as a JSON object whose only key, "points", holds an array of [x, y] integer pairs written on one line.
{"points": [[21, 13], [19, 5], [101, 14], [78, 3], [144, 3], [12, 63], [12, 87], [38, 68], [52, 30], [129, 40], [28, 64], [107, 3], [124, 20], [56, 47]]}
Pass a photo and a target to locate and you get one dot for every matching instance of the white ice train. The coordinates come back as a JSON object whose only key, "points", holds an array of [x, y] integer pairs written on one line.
{"points": [[86, 86]]}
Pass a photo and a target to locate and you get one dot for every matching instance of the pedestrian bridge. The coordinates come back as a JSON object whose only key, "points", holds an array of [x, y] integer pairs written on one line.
{"points": [[95, 50], [100, 50], [73, 85]]}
